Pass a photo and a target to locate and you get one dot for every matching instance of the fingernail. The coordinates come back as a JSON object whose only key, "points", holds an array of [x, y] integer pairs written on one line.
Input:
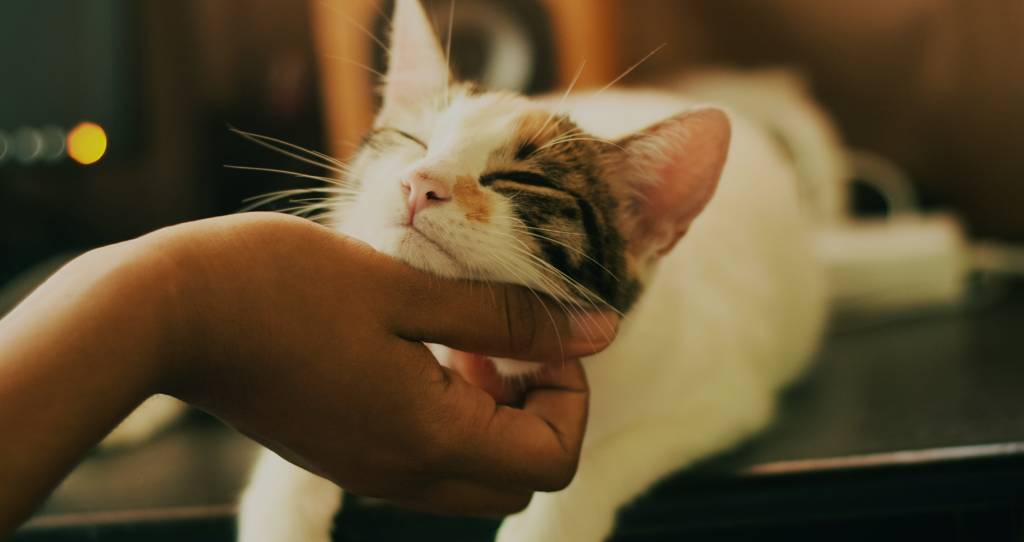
{"points": [[596, 327]]}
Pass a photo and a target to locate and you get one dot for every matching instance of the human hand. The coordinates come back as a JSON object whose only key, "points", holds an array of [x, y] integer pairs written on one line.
{"points": [[312, 344], [306, 340]]}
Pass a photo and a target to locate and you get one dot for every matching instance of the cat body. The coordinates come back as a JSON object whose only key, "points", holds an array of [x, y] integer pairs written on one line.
{"points": [[739, 296], [730, 315], [623, 199]]}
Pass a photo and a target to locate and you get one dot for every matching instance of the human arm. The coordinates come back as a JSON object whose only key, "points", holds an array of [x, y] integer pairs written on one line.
{"points": [[306, 340]]}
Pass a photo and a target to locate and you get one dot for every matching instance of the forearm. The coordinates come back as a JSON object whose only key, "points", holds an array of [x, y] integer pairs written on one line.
{"points": [[75, 358], [304, 339]]}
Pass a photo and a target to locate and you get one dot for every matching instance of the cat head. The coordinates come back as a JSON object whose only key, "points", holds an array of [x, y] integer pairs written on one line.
{"points": [[469, 183]]}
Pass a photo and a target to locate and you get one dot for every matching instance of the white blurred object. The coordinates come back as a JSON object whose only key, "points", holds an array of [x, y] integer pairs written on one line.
{"points": [[905, 263], [997, 258], [902, 264], [887, 178], [510, 62], [153, 416], [779, 100]]}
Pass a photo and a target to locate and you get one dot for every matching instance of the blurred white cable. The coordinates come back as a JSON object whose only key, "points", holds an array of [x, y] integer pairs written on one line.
{"points": [[887, 178], [997, 258], [895, 265]]}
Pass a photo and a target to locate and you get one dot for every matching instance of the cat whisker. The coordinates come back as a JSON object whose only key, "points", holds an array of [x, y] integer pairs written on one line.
{"points": [[652, 136], [331, 163], [583, 139], [380, 11], [507, 199], [574, 249], [448, 56], [564, 96], [302, 210], [275, 196], [565, 135], [357, 25], [534, 292], [553, 231], [583, 290], [316, 206], [625, 73], [330, 180], [561, 137], [558, 292], [335, 216], [525, 249], [354, 63]]}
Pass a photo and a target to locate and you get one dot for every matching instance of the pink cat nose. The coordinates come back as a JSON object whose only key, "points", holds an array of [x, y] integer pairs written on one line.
{"points": [[424, 191]]}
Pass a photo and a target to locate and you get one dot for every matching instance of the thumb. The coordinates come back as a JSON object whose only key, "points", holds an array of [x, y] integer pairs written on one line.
{"points": [[498, 320]]}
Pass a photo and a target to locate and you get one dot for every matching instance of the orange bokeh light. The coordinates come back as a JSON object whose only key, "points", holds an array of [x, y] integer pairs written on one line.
{"points": [[86, 143]]}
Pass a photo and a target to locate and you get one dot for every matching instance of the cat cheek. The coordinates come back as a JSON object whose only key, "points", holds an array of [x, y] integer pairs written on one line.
{"points": [[475, 204]]}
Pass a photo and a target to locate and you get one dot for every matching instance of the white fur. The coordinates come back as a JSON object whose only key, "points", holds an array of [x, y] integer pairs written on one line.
{"points": [[778, 99], [730, 315], [151, 417], [459, 141], [733, 314], [284, 502]]}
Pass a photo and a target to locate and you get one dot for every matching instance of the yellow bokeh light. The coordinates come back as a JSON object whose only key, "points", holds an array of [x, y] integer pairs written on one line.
{"points": [[86, 143]]}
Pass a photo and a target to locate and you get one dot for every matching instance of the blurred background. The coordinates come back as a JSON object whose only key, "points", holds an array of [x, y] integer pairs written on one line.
{"points": [[164, 80], [936, 86]]}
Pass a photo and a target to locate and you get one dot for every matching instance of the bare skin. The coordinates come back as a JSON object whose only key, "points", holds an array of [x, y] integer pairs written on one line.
{"points": [[309, 342]]}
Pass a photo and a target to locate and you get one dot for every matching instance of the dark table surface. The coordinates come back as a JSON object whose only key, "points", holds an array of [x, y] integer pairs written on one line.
{"points": [[928, 392]]}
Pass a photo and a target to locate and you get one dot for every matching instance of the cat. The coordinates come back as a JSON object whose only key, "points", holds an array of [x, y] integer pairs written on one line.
{"points": [[683, 219]]}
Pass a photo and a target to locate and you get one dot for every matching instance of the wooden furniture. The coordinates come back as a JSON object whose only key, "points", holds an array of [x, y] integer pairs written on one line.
{"points": [[343, 30], [905, 431]]}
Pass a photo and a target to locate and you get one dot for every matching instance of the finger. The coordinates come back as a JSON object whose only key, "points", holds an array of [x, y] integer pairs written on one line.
{"points": [[480, 371], [537, 447], [497, 320]]}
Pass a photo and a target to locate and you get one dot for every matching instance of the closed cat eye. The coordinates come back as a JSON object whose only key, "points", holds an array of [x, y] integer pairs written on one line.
{"points": [[408, 136], [522, 177]]}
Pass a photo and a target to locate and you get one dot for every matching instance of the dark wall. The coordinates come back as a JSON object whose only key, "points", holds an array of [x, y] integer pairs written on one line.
{"points": [[936, 85], [202, 66]]}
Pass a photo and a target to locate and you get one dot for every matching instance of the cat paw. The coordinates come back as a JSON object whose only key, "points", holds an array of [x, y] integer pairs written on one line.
{"points": [[285, 503], [283, 525], [148, 420], [551, 517]]}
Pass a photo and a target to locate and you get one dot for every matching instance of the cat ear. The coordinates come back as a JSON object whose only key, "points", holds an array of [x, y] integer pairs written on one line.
{"points": [[416, 67], [673, 167]]}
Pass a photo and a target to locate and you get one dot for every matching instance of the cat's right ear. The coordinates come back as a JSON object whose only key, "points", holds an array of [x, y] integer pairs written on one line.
{"points": [[672, 168], [416, 66]]}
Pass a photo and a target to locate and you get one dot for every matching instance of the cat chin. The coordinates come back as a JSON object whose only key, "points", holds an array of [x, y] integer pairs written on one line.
{"points": [[412, 247]]}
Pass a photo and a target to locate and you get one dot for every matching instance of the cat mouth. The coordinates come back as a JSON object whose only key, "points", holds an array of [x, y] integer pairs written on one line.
{"points": [[418, 238]]}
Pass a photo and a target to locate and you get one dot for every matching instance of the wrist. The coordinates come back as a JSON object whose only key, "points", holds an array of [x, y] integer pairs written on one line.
{"points": [[216, 275]]}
